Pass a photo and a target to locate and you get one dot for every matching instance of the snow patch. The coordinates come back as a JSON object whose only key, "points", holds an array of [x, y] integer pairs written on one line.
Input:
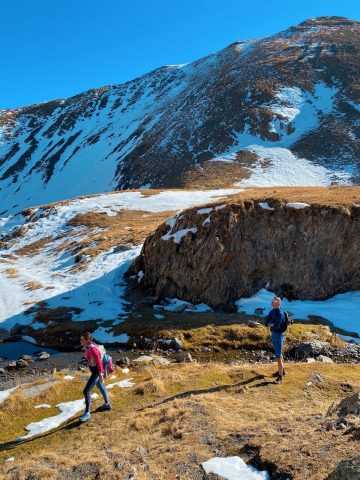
{"points": [[343, 310], [297, 205], [265, 206], [233, 468]]}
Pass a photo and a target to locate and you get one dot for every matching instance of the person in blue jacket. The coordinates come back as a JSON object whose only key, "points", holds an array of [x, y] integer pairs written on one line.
{"points": [[275, 320]]}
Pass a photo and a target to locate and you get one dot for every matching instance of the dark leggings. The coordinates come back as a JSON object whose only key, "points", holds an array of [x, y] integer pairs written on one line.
{"points": [[94, 380]]}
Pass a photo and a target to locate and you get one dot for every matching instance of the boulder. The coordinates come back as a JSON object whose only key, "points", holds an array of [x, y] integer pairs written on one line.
{"points": [[349, 405], [11, 365], [311, 349], [176, 344], [347, 470]]}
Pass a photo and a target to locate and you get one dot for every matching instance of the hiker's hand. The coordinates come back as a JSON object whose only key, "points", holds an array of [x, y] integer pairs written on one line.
{"points": [[101, 378]]}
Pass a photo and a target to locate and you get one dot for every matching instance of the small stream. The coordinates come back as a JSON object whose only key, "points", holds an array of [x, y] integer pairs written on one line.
{"points": [[13, 350]]}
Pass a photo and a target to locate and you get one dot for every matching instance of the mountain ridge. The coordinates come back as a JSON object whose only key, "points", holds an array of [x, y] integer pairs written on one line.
{"points": [[297, 90]]}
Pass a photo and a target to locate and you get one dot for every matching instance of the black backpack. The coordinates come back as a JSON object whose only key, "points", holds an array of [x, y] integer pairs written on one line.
{"points": [[286, 323]]}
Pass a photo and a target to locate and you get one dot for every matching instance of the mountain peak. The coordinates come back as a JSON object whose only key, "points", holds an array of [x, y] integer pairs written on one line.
{"points": [[328, 21]]}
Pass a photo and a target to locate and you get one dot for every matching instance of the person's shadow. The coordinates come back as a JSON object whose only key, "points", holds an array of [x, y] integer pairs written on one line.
{"points": [[70, 425]]}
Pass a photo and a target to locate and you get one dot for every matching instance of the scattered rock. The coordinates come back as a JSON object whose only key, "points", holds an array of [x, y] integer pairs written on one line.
{"points": [[27, 358], [253, 324], [143, 360], [2, 371], [324, 359], [123, 362], [347, 470], [22, 363], [11, 365], [183, 357], [143, 452], [161, 361], [43, 355]]}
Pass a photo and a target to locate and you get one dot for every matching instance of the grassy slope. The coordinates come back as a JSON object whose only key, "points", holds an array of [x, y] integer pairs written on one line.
{"points": [[283, 424]]}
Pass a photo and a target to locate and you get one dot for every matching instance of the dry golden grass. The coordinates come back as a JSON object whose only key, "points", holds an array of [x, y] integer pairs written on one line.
{"points": [[11, 273], [332, 197], [124, 230], [33, 248], [229, 410], [33, 285], [212, 175]]}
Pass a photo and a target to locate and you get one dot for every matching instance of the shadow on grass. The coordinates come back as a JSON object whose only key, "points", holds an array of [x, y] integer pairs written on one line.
{"points": [[202, 391], [69, 425]]}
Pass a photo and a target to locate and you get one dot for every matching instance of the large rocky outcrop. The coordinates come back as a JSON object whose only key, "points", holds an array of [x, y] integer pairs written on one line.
{"points": [[221, 253]]}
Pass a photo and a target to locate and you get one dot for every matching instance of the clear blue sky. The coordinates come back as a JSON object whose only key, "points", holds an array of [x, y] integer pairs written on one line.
{"points": [[58, 48]]}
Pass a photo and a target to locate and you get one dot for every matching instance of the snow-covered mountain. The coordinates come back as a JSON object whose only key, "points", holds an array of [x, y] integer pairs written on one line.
{"points": [[283, 109]]}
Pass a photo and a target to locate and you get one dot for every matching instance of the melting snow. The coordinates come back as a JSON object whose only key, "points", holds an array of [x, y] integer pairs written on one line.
{"points": [[43, 405], [297, 205], [4, 394], [233, 468], [343, 310], [178, 236], [175, 303], [68, 410], [265, 206]]}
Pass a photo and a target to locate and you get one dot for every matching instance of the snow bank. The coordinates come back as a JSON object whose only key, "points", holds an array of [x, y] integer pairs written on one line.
{"points": [[343, 310]]}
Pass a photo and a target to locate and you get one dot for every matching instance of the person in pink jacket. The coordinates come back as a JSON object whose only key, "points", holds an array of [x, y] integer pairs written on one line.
{"points": [[94, 360]]}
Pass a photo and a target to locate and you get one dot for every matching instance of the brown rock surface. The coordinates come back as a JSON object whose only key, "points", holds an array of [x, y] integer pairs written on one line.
{"points": [[234, 249]]}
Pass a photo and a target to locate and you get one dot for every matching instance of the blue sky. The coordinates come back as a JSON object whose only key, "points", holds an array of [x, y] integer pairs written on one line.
{"points": [[58, 48]]}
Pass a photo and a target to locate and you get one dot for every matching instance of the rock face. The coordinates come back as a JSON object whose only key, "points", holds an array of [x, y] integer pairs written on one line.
{"points": [[347, 470], [218, 254], [291, 98]]}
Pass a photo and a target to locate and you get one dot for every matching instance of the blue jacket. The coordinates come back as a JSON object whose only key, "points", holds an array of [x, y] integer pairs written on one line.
{"points": [[275, 318]]}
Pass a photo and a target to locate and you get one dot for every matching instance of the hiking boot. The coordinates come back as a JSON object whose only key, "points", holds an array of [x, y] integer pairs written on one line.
{"points": [[279, 379], [104, 407], [276, 374], [85, 417]]}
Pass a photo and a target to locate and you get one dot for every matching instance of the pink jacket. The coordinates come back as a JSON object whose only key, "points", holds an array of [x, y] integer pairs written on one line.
{"points": [[93, 358]]}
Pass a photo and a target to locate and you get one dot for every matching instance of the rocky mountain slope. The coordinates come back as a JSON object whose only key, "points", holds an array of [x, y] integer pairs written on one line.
{"points": [[283, 109], [271, 239]]}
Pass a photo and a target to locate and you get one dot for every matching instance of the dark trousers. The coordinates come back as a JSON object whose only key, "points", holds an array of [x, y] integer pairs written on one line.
{"points": [[94, 380]]}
